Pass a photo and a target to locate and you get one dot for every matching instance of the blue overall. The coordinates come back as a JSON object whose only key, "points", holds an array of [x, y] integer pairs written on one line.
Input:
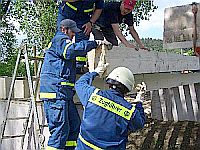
{"points": [[57, 80], [80, 12], [107, 117]]}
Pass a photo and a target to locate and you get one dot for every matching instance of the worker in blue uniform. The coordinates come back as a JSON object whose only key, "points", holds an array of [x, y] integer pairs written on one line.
{"points": [[57, 80], [107, 116], [84, 13]]}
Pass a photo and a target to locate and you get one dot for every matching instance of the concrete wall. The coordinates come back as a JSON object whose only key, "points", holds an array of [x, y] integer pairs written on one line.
{"points": [[179, 27]]}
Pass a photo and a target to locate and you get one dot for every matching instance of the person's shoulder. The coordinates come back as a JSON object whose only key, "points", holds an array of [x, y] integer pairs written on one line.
{"points": [[113, 5]]}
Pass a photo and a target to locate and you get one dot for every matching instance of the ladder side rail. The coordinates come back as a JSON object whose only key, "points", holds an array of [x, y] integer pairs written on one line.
{"points": [[33, 102], [10, 95]]}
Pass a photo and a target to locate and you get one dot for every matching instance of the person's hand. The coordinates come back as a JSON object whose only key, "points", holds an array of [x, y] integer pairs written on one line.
{"points": [[102, 66], [88, 28], [131, 46], [144, 48], [141, 89]]}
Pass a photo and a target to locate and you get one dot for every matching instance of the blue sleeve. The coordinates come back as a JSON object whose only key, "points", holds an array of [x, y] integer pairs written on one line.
{"points": [[138, 119], [84, 88], [99, 4], [81, 48]]}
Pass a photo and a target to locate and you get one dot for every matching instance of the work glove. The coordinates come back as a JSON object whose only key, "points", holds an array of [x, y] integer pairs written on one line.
{"points": [[102, 65], [101, 42], [141, 89]]}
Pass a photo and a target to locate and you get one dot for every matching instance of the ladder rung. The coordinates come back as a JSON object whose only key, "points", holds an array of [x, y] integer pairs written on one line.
{"points": [[44, 125], [12, 136], [17, 118]]}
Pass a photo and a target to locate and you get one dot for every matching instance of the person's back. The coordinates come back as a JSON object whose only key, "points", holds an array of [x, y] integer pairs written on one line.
{"points": [[107, 117]]}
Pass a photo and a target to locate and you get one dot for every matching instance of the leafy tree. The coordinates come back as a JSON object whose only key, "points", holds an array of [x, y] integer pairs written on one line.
{"points": [[37, 20], [8, 47], [7, 38]]}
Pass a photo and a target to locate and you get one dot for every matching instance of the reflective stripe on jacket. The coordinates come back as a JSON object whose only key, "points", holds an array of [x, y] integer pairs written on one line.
{"points": [[58, 72], [107, 112], [80, 11]]}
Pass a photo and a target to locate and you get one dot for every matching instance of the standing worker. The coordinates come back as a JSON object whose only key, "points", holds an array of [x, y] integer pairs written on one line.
{"points": [[108, 24], [107, 116], [57, 86], [85, 14]]}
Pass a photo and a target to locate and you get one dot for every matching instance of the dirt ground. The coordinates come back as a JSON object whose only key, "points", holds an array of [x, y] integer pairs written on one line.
{"points": [[165, 135]]}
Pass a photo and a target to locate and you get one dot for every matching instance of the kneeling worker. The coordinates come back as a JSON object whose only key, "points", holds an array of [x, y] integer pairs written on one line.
{"points": [[107, 116]]}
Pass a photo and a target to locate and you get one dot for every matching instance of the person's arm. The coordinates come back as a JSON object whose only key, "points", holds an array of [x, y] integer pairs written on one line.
{"points": [[88, 25], [119, 34], [138, 119], [135, 35], [83, 87], [97, 12], [72, 50]]}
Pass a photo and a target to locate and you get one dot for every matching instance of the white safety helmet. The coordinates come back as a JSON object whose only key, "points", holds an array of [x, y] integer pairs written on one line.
{"points": [[124, 76]]}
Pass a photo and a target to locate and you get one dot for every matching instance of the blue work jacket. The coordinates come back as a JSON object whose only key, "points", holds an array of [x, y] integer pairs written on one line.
{"points": [[107, 117], [80, 11], [58, 72]]}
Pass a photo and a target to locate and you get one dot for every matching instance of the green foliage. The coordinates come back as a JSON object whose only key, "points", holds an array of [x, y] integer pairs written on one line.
{"points": [[37, 20], [153, 44], [143, 10], [8, 50], [7, 29]]}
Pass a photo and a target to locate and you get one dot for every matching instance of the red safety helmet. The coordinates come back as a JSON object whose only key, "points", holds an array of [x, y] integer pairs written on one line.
{"points": [[129, 4]]}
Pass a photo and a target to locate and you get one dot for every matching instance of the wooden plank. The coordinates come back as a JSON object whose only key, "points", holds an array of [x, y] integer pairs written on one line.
{"points": [[156, 111], [180, 113], [168, 103], [194, 101], [183, 103], [197, 95], [174, 107], [163, 104], [150, 62], [188, 100]]}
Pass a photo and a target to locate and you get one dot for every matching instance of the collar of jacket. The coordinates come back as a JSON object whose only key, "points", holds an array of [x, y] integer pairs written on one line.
{"points": [[60, 36], [116, 93]]}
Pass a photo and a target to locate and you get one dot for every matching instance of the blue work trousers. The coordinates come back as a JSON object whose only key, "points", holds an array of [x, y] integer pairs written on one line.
{"points": [[63, 121]]}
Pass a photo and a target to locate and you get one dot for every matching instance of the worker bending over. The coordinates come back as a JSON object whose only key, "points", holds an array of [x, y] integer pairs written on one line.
{"points": [[108, 24], [85, 14], [57, 80], [107, 116]]}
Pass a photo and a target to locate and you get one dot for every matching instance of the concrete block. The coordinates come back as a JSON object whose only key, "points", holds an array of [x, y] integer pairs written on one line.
{"points": [[5, 87]]}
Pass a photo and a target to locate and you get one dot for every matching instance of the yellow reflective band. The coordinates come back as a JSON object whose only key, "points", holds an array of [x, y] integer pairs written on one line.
{"points": [[81, 58], [49, 45], [71, 143], [89, 144], [67, 83], [111, 106], [51, 148], [65, 50], [74, 8], [47, 95], [71, 6], [88, 10]]}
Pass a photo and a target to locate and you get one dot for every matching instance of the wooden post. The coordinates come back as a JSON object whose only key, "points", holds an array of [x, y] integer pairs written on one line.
{"points": [[35, 61]]}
